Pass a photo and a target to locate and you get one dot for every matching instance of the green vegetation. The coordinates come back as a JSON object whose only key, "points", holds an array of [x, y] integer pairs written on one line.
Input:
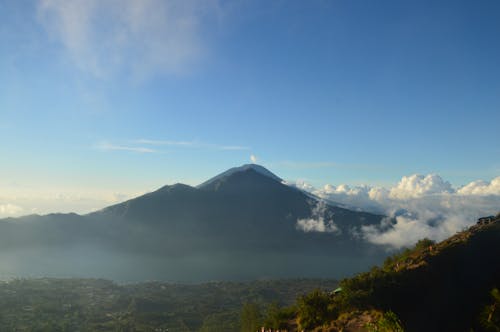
{"points": [[389, 322], [100, 305], [279, 317], [314, 309], [251, 319], [449, 283], [490, 316]]}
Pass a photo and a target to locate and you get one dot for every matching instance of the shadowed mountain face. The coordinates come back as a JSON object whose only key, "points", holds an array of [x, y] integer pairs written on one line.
{"points": [[240, 224]]}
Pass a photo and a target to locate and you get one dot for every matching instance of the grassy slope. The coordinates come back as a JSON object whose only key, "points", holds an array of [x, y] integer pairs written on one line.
{"points": [[442, 288]]}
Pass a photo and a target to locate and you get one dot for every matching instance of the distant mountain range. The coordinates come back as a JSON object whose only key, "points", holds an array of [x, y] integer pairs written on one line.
{"points": [[241, 224]]}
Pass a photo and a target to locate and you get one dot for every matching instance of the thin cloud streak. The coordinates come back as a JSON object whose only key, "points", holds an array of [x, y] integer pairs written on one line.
{"points": [[105, 146], [192, 144], [161, 142], [304, 165], [291, 164]]}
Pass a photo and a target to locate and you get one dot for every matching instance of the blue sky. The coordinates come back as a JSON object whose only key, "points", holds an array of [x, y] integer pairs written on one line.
{"points": [[112, 98]]}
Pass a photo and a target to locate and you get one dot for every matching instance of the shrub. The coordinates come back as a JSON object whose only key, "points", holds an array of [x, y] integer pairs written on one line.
{"points": [[277, 317], [389, 322], [490, 316], [315, 309], [424, 244]]}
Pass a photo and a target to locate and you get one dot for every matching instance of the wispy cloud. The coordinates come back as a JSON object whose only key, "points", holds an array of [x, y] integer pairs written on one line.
{"points": [[191, 144], [142, 38], [292, 164], [165, 142], [106, 146], [147, 146], [304, 165], [320, 220]]}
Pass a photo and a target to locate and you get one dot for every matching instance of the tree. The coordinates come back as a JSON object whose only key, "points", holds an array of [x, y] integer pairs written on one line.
{"points": [[424, 244], [314, 309], [251, 317], [277, 318]]}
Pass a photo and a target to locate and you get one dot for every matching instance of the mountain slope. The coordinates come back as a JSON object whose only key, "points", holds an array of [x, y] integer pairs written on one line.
{"points": [[240, 224]]}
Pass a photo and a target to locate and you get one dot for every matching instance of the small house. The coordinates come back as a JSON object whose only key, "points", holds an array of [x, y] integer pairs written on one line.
{"points": [[485, 220]]}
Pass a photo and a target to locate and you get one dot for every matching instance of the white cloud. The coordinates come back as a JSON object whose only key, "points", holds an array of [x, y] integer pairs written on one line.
{"points": [[141, 38], [421, 206], [253, 159], [418, 185], [10, 210], [409, 230], [353, 197], [481, 188], [301, 184], [320, 221]]}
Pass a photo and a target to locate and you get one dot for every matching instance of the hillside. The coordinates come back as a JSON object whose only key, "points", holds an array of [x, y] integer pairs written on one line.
{"points": [[432, 287]]}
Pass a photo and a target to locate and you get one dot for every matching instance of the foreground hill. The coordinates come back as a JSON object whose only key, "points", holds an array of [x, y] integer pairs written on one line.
{"points": [[241, 224], [433, 287]]}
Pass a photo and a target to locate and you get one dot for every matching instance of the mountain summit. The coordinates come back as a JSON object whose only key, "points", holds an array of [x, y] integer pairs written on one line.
{"points": [[244, 223], [242, 169]]}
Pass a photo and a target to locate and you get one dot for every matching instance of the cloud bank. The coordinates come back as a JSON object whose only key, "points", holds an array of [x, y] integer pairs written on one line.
{"points": [[142, 38], [421, 205]]}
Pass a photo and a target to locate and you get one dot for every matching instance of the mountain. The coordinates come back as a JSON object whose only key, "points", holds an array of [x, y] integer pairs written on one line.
{"points": [[241, 224], [448, 286], [257, 168]]}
